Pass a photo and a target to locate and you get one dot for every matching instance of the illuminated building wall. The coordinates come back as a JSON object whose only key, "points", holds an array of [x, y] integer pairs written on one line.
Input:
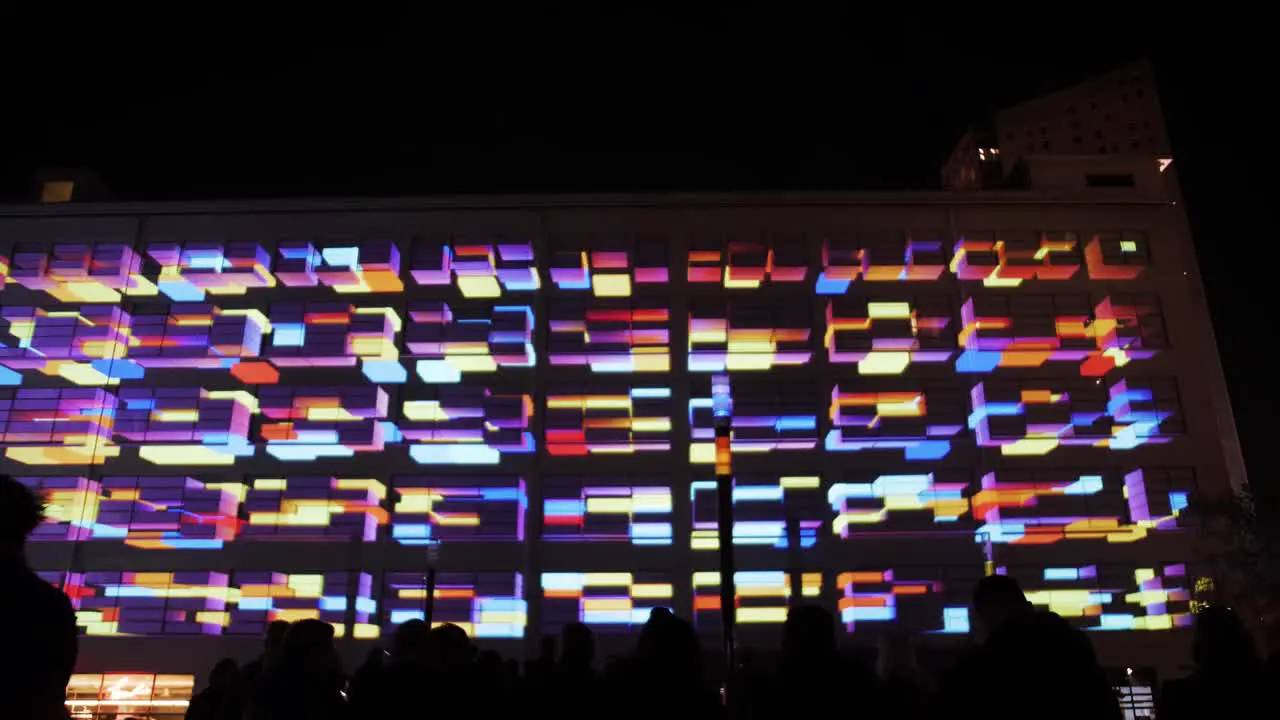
{"points": [[296, 424], [607, 509], [763, 596], [608, 602], [486, 605]]}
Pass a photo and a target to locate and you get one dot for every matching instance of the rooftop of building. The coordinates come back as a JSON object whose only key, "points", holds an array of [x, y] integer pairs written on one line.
{"points": [[1052, 179]]}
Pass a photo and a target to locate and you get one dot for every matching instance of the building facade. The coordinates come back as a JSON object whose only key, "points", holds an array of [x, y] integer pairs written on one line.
{"points": [[245, 412], [1116, 115]]}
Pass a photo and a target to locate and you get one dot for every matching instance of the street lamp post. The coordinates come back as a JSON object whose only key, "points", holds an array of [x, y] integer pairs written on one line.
{"points": [[429, 599], [722, 409]]}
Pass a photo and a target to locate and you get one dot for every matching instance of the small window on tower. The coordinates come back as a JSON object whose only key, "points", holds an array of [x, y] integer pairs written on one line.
{"points": [[57, 191]]}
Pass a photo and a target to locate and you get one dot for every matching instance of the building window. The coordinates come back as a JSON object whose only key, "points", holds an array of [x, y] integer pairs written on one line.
{"points": [[163, 697], [57, 191], [1109, 180]]}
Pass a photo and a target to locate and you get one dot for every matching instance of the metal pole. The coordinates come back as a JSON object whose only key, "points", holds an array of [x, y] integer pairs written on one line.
{"points": [[722, 406], [429, 601]]}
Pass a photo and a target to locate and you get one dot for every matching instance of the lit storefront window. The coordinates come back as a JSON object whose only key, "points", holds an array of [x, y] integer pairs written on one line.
{"points": [[116, 696]]}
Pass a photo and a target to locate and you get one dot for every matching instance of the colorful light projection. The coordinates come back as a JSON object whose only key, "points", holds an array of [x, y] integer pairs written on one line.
{"points": [[920, 420], [366, 266], [262, 597], [879, 257], [189, 271], [466, 425], [479, 270], [1117, 255], [446, 509], [885, 336], [766, 418], [314, 508], [607, 269], [450, 342], [102, 345], [1034, 508], [152, 513], [1018, 331], [613, 418], [633, 510], [308, 423], [761, 596], [85, 346], [1110, 597], [631, 336], [113, 603], [1037, 417], [1008, 259], [71, 426], [898, 502], [337, 335], [186, 426], [78, 272], [610, 602], [747, 264], [780, 512], [737, 336], [201, 336], [886, 596], [484, 604]]}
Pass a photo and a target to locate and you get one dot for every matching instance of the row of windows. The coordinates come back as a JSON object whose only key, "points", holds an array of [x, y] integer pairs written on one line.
{"points": [[779, 512], [496, 604], [189, 272]]}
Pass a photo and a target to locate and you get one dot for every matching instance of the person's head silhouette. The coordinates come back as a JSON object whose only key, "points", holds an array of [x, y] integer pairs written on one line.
{"points": [[1222, 643], [809, 633], [998, 598], [21, 512]]}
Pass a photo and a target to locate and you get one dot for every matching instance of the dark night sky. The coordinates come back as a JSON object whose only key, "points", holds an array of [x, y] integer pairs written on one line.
{"points": [[240, 103]]}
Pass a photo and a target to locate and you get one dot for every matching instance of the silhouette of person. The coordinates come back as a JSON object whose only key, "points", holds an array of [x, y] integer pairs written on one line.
{"points": [[814, 675], [574, 691], [306, 682], [390, 684], [218, 700], [251, 673], [1031, 662], [905, 686], [1228, 680], [665, 674], [272, 641], [37, 622]]}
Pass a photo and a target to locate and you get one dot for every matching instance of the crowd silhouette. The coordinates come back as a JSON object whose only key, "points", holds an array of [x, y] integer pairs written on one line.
{"points": [[1027, 663]]}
